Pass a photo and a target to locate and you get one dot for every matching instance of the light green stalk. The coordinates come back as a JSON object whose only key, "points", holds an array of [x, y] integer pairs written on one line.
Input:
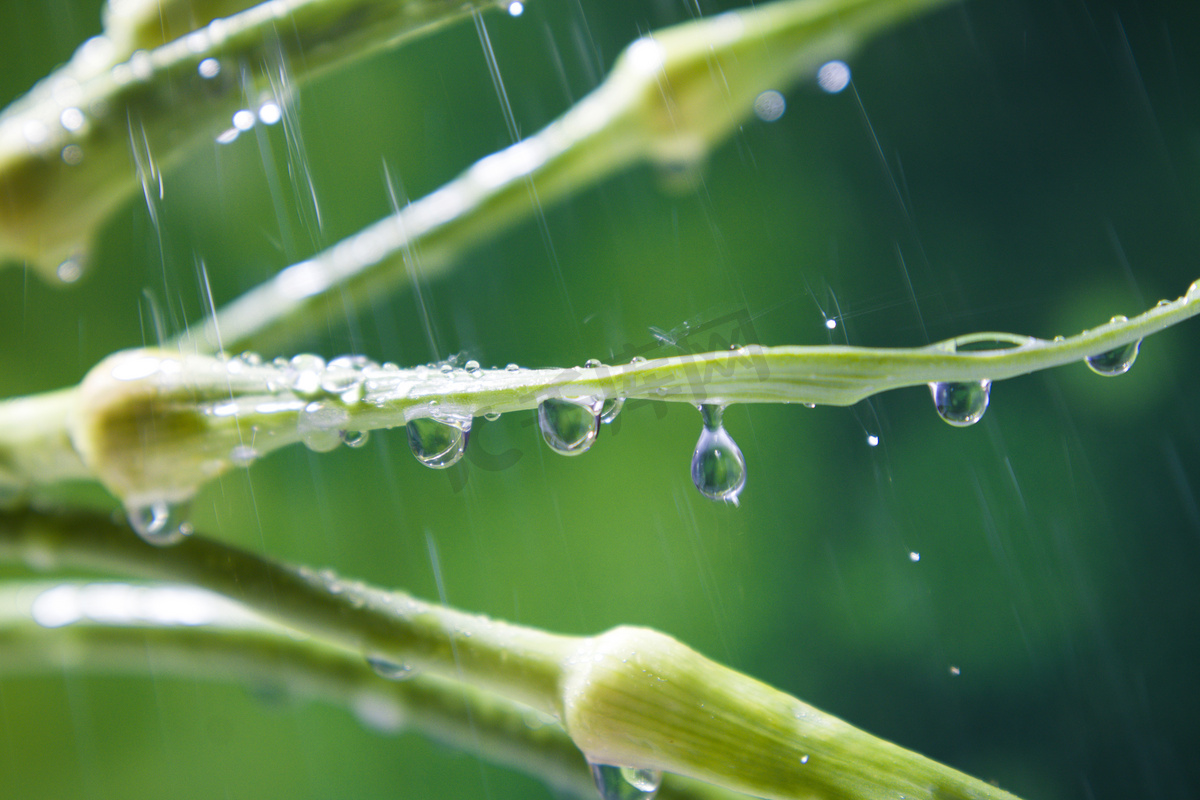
{"points": [[631, 696], [154, 426], [45, 627], [66, 147], [670, 99]]}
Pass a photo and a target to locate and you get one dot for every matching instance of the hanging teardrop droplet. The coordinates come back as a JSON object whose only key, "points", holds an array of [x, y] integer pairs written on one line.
{"points": [[391, 670], [718, 468], [961, 404], [159, 523], [569, 425], [439, 442], [1116, 361], [625, 783]]}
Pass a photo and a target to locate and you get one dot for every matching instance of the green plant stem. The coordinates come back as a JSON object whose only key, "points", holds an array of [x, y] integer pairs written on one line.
{"points": [[631, 696], [65, 147], [671, 97], [155, 426], [214, 642]]}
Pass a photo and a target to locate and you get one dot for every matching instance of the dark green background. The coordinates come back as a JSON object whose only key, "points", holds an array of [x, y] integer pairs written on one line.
{"points": [[1035, 168]]}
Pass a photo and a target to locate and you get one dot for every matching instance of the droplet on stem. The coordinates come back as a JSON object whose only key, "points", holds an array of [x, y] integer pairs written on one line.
{"points": [[1116, 361], [391, 670], [961, 404], [159, 523], [612, 406], [718, 468], [321, 426], [569, 425], [439, 442], [625, 783]]}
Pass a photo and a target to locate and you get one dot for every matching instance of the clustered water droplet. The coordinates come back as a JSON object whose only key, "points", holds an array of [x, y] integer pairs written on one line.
{"points": [[569, 425], [321, 426], [718, 468], [625, 783], [961, 404]]}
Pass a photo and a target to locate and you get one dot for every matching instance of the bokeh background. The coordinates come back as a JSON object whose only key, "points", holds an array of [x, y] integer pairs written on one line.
{"points": [[1018, 599]]}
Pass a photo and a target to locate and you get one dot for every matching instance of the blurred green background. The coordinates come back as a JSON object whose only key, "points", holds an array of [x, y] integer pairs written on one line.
{"points": [[1021, 165]]}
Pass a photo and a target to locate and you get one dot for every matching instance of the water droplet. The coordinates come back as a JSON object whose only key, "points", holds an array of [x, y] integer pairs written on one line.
{"points": [[593, 363], [308, 372], [72, 155], [955, 671], [270, 113], [243, 119], [961, 404], [343, 376], [612, 406], [637, 360], [72, 119], [516, 9], [355, 439], [243, 455], [872, 440], [390, 669], [769, 106], [439, 442], [159, 523], [914, 556], [625, 783], [718, 469], [834, 76], [804, 758], [492, 416], [569, 425], [209, 68], [320, 426], [513, 368], [70, 270], [1116, 361]]}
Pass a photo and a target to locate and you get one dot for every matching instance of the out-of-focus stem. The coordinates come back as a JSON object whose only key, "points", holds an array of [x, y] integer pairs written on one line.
{"points": [[108, 123]]}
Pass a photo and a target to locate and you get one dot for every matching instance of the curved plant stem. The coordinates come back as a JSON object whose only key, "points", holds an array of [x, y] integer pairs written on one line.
{"points": [[631, 696], [46, 626], [671, 97], [65, 147], [154, 426]]}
